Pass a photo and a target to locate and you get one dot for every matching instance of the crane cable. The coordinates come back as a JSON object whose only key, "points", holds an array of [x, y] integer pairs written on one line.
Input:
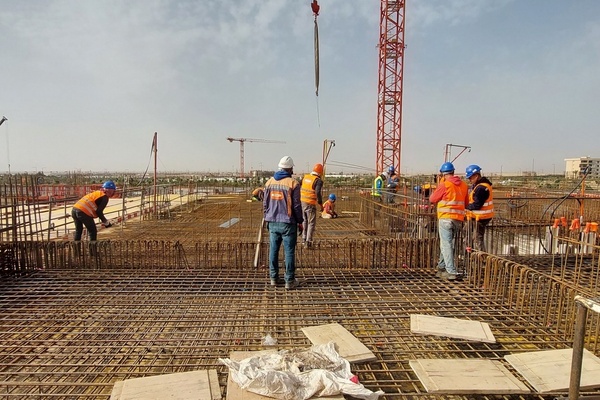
{"points": [[315, 9]]}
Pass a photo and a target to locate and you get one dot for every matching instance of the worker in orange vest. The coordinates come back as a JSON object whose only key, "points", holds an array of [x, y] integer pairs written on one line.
{"points": [[329, 207], [451, 196], [310, 197], [480, 209], [92, 206]]}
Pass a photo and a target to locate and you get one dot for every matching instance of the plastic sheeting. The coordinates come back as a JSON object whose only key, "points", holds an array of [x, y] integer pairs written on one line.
{"points": [[298, 374]]}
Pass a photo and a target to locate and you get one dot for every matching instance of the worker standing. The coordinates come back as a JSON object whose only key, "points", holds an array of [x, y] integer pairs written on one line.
{"points": [[329, 207], [283, 214], [92, 206], [310, 196], [378, 184], [392, 184], [451, 196], [480, 208]]}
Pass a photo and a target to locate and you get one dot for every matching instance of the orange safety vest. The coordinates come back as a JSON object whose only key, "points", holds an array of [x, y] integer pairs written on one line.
{"points": [[453, 204], [88, 205], [308, 194], [487, 210]]}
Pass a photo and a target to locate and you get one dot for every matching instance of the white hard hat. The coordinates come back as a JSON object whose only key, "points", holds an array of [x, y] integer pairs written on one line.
{"points": [[286, 162]]}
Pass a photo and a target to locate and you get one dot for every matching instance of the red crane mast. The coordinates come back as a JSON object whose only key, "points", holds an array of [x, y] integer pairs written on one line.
{"points": [[391, 62]]}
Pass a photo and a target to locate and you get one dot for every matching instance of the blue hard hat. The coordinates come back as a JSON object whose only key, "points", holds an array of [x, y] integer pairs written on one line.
{"points": [[447, 167], [109, 185], [332, 197], [471, 170], [391, 169]]}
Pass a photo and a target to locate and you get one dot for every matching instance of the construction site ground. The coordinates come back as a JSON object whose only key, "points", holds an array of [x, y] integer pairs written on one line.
{"points": [[71, 332]]}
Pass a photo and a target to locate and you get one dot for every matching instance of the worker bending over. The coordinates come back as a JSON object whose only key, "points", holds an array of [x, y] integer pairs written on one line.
{"points": [[329, 207], [92, 206]]}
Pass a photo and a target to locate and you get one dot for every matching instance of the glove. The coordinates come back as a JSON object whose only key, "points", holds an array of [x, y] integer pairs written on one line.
{"points": [[107, 224], [300, 229]]}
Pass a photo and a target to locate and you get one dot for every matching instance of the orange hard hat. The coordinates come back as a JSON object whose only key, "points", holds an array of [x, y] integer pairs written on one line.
{"points": [[318, 168]]}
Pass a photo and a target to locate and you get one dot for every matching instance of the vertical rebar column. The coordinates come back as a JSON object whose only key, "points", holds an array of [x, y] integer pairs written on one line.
{"points": [[578, 342]]}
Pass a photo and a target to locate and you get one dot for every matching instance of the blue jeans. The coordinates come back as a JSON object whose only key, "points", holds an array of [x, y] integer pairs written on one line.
{"points": [[288, 234], [448, 228]]}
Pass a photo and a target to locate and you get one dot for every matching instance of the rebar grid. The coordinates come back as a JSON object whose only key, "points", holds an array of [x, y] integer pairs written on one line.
{"points": [[69, 333]]}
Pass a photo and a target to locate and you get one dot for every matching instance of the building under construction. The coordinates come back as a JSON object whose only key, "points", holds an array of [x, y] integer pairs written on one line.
{"points": [[181, 280]]}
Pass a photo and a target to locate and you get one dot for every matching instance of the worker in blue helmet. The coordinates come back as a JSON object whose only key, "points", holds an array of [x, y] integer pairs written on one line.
{"points": [[92, 206], [329, 207], [451, 197], [480, 208], [393, 183]]}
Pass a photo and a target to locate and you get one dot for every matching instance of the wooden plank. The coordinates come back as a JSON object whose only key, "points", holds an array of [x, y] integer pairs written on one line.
{"points": [[116, 392], [466, 376], [347, 345], [451, 327], [234, 392], [550, 370], [191, 385]]}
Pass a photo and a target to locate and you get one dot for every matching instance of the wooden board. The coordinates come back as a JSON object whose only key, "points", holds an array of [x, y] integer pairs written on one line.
{"points": [[347, 345], [550, 370], [451, 327], [234, 392], [191, 385], [466, 376]]}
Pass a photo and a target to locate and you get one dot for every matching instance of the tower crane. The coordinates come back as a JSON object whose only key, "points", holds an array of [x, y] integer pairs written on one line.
{"points": [[244, 140], [391, 63]]}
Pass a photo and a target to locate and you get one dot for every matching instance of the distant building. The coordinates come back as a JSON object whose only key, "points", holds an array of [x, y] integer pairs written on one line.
{"points": [[574, 167]]}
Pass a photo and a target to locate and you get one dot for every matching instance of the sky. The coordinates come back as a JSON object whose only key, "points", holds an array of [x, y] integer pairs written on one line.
{"points": [[86, 84]]}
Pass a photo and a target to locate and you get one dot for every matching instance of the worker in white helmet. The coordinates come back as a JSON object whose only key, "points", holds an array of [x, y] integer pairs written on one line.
{"points": [[283, 215]]}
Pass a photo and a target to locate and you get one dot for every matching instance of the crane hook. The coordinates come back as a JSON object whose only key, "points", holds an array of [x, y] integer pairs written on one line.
{"points": [[315, 8]]}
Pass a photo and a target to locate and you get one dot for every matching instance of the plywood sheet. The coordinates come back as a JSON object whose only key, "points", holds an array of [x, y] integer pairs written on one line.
{"points": [[549, 370], [451, 327], [466, 376], [347, 345], [192, 385], [234, 392]]}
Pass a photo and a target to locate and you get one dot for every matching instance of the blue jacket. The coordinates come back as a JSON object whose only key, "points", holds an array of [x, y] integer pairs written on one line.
{"points": [[282, 199]]}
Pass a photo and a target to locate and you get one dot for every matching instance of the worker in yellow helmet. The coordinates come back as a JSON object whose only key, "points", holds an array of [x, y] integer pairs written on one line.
{"points": [[310, 196]]}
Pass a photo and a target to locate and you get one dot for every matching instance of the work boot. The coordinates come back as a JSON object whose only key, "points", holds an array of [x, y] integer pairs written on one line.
{"points": [[292, 284], [448, 276], [273, 282], [440, 272]]}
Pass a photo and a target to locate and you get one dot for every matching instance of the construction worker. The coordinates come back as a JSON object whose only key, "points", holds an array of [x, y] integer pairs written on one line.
{"points": [[283, 215], [392, 184], [378, 184], [92, 206], [329, 207], [258, 194], [480, 208], [451, 196], [310, 196]]}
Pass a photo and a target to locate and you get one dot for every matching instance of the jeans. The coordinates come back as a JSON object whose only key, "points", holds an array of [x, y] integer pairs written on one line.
{"points": [[288, 234], [80, 219], [477, 230], [448, 229], [310, 221]]}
